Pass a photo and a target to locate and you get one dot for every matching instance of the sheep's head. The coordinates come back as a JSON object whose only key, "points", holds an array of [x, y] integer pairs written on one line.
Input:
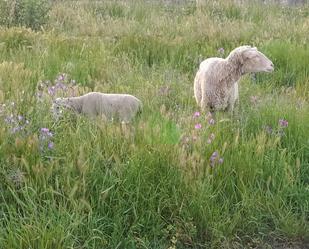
{"points": [[254, 61]]}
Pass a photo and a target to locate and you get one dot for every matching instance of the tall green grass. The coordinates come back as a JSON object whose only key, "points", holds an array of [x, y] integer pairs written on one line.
{"points": [[151, 184]]}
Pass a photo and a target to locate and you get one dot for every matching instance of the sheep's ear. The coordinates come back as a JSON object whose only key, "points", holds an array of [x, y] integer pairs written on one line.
{"points": [[249, 54]]}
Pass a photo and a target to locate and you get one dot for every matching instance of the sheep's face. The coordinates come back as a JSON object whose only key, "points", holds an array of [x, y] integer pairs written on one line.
{"points": [[255, 61]]}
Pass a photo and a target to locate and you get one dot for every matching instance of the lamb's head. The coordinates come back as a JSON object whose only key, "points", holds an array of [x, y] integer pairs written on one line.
{"points": [[58, 105], [254, 61]]}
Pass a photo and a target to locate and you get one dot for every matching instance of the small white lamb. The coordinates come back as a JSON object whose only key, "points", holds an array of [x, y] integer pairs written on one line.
{"points": [[216, 82], [107, 106]]}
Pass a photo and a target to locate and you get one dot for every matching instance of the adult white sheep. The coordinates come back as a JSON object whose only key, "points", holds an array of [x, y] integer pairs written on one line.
{"points": [[107, 106], [216, 82]]}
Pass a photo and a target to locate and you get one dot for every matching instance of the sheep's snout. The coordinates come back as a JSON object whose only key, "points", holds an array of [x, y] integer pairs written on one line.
{"points": [[270, 68]]}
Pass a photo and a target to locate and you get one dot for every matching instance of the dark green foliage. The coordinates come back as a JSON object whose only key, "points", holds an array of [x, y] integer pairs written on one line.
{"points": [[29, 13]]}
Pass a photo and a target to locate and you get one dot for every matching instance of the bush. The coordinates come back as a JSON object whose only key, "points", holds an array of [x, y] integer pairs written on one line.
{"points": [[30, 13]]}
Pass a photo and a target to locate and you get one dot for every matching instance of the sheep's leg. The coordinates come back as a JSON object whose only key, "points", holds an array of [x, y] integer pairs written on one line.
{"points": [[233, 98], [236, 99], [204, 106], [197, 88], [204, 99], [233, 106]]}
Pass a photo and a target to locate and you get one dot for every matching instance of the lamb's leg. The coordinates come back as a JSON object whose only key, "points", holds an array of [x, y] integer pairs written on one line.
{"points": [[103, 118], [125, 114]]}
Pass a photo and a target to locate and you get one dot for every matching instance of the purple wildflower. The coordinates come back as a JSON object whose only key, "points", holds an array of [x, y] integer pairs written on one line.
{"points": [[46, 133], [44, 130], [15, 129], [50, 145], [198, 126], [214, 154], [213, 158], [197, 114], [61, 86], [51, 90], [61, 77], [10, 119], [221, 51], [211, 121], [46, 139], [15, 122], [283, 123]]}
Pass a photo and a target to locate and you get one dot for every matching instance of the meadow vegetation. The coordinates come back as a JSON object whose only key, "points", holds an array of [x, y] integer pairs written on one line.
{"points": [[176, 178]]}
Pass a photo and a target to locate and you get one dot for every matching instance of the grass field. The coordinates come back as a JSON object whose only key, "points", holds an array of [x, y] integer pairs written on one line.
{"points": [[239, 182]]}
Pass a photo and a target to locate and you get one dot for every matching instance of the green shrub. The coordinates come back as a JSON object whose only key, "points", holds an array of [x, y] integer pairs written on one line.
{"points": [[30, 13]]}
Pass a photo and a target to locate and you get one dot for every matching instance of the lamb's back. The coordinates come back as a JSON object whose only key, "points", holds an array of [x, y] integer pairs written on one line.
{"points": [[110, 103]]}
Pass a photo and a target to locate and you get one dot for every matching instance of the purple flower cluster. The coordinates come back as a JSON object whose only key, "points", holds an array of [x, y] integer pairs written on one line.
{"points": [[45, 139], [282, 124], [196, 114], [61, 86], [198, 126], [215, 159], [15, 122], [209, 119], [221, 51]]}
